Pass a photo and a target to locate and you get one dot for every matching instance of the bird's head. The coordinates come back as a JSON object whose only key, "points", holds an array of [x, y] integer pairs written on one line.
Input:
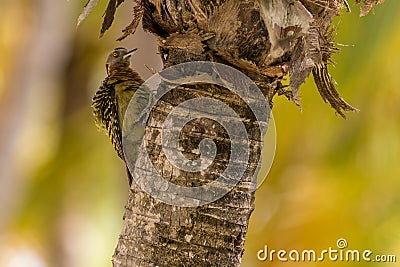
{"points": [[119, 57]]}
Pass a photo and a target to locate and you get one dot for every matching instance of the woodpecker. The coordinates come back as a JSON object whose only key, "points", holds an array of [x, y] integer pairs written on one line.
{"points": [[111, 100]]}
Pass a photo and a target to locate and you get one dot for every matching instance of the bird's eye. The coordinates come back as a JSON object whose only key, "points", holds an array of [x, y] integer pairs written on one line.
{"points": [[115, 54]]}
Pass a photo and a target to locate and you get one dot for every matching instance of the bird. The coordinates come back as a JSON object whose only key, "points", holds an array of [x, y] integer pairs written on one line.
{"points": [[112, 98]]}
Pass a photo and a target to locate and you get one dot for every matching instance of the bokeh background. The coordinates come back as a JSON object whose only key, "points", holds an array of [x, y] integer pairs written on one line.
{"points": [[63, 189]]}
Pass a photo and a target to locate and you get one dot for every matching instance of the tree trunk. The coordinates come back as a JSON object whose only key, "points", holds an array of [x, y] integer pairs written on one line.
{"points": [[264, 39]]}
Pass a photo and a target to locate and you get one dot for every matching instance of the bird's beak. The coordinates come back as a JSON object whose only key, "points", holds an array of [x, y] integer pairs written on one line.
{"points": [[129, 53]]}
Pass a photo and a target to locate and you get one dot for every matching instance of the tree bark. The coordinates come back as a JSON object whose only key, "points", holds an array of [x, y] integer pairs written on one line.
{"points": [[266, 40], [158, 234]]}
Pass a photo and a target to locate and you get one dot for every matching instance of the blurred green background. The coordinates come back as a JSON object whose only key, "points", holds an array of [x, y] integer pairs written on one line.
{"points": [[63, 189]]}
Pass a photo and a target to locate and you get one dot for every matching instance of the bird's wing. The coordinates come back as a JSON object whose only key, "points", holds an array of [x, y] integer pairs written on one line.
{"points": [[105, 110]]}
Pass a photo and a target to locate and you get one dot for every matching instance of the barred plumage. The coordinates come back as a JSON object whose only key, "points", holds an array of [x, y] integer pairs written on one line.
{"points": [[105, 110], [112, 98]]}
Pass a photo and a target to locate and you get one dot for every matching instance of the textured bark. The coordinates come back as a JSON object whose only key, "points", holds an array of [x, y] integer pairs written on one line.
{"points": [[236, 33], [157, 234]]}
